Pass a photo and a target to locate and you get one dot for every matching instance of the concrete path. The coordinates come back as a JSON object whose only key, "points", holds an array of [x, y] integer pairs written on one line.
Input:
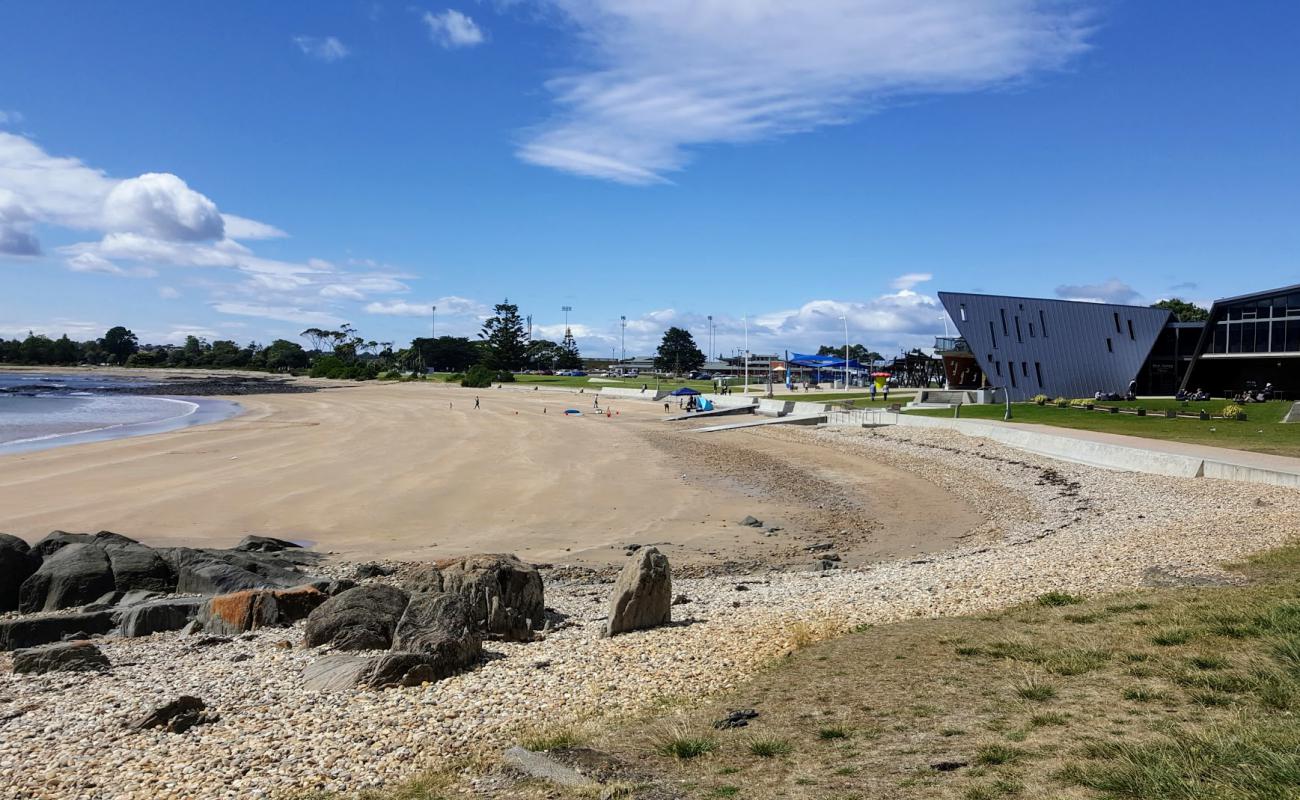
{"points": [[1134, 453], [805, 419], [717, 412]]}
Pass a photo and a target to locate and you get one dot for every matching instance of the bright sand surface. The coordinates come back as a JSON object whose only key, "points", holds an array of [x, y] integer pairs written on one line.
{"points": [[413, 471]]}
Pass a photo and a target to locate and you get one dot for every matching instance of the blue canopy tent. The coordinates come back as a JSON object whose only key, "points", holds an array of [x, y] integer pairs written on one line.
{"points": [[828, 363], [683, 392]]}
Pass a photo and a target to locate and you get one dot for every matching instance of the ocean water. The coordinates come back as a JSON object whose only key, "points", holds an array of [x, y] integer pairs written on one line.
{"points": [[39, 411]]}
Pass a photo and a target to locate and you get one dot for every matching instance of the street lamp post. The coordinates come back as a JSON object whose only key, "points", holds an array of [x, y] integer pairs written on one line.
{"points": [[745, 319], [566, 310], [622, 342], [434, 331], [711, 353], [845, 320]]}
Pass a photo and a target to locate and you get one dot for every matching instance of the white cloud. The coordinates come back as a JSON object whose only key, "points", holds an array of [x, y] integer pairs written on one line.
{"points": [[453, 29], [910, 280], [326, 48], [80, 330], [1111, 291], [10, 117], [37, 188], [293, 314], [168, 293], [247, 229], [447, 306], [662, 78], [162, 206]]}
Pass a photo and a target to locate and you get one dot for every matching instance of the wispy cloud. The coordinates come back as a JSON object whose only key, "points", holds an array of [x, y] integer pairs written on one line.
{"points": [[452, 29], [659, 79], [447, 306], [293, 314], [327, 48], [911, 279], [10, 117], [1111, 291]]}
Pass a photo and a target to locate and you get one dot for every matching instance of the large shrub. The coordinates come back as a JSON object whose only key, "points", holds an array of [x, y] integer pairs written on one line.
{"points": [[478, 377], [338, 369]]}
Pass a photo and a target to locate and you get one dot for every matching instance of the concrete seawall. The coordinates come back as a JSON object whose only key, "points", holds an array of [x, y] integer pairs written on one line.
{"points": [[1109, 455]]}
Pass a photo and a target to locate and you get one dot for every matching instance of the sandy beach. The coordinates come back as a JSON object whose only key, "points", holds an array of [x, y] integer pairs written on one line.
{"points": [[414, 471]]}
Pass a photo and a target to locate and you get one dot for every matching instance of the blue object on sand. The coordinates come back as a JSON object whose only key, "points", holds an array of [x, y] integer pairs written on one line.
{"points": [[683, 392], [575, 412]]}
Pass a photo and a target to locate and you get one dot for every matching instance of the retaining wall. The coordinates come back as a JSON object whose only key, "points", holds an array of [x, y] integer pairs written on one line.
{"points": [[632, 394], [1107, 455]]}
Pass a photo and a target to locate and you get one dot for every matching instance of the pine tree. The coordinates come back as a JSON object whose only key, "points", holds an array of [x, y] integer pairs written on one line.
{"points": [[678, 352], [503, 334], [568, 357]]}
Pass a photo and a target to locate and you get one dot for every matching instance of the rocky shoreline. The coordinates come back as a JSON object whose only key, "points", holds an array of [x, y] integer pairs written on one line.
{"points": [[1047, 526]]}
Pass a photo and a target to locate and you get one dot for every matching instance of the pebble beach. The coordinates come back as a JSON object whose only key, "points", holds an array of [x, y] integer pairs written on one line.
{"points": [[1043, 525]]}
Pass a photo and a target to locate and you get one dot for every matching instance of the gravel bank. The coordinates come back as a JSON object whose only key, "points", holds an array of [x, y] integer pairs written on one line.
{"points": [[1049, 525]]}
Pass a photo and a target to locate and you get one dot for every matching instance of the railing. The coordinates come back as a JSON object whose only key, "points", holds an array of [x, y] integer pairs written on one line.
{"points": [[951, 343], [860, 417]]}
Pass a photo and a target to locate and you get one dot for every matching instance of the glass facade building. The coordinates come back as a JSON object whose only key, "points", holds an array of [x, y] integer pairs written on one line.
{"points": [[1247, 342]]}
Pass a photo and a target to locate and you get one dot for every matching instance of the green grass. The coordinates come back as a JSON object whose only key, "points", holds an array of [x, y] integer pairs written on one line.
{"points": [[1032, 688], [996, 754], [1059, 599], [1257, 760], [832, 732], [687, 747], [558, 738], [770, 748], [1170, 637], [1261, 432]]}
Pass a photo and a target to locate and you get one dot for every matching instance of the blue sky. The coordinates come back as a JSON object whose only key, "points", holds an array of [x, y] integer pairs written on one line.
{"points": [[244, 170]]}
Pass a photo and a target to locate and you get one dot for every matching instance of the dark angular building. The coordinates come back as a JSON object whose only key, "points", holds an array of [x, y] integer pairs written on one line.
{"points": [[1249, 340], [1060, 348]]}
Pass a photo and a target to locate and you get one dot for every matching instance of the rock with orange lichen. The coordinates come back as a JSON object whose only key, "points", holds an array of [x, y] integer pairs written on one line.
{"points": [[251, 609]]}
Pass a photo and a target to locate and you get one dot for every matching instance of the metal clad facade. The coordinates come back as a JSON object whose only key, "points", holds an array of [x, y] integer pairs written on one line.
{"points": [[1060, 348]]}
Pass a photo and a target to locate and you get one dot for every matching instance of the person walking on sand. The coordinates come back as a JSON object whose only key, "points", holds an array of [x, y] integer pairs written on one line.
{"points": [[475, 401]]}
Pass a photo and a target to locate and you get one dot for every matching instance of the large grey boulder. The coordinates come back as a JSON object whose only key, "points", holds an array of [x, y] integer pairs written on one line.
{"points": [[62, 657], [643, 593], [225, 571], [442, 627], [363, 618], [136, 566], [248, 610], [75, 575], [264, 544], [504, 593], [158, 616], [17, 563], [334, 672], [401, 669], [55, 541], [39, 629]]}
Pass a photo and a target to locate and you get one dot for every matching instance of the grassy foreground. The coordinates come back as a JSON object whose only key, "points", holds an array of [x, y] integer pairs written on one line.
{"points": [[1184, 693], [1261, 432]]}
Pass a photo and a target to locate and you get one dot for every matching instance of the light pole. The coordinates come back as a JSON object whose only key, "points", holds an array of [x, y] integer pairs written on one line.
{"points": [[745, 319], [711, 353], [566, 310], [622, 341], [845, 320], [434, 331]]}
